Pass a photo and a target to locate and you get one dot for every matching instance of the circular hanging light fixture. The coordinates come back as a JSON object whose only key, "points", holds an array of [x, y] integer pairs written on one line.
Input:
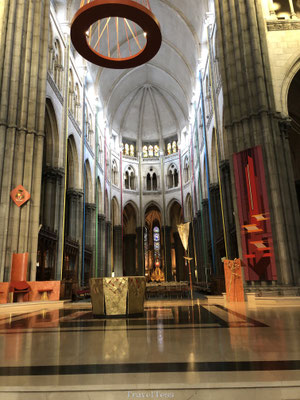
{"points": [[116, 33]]}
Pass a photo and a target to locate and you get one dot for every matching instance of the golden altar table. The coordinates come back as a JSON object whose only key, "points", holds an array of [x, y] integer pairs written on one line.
{"points": [[118, 295]]}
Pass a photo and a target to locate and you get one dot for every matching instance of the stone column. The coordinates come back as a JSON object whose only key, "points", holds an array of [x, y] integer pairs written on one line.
{"points": [[293, 14], [118, 254], [23, 72], [202, 245], [206, 227], [130, 254], [192, 253], [90, 231], [101, 245], [168, 269], [251, 120], [198, 247], [228, 210], [108, 248], [140, 245], [217, 226]]}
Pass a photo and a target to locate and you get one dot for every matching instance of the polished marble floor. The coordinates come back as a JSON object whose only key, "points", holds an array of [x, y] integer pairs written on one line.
{"points": [[177, 349]]}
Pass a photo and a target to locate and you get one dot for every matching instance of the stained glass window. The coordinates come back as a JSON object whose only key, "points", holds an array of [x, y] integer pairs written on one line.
{"points": [[145, 152], [127, 149], [131, 151], [150, 151], [156, 151], [156, 240], [174, 146], [169, 148]]}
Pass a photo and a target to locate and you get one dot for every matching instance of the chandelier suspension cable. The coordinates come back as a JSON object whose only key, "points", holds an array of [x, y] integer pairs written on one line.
{"points": [[129, 47]]}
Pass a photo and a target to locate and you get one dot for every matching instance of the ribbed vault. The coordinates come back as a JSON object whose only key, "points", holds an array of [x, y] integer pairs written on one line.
{"points": [[163, 88]]}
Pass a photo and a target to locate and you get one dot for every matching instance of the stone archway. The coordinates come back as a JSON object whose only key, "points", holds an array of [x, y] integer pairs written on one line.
{"points": [[293, 103], [52, 176], [153, 240], [177, 251]]}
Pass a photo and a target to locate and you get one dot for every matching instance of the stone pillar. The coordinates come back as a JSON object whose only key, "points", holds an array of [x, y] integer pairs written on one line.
{"points": [[192, 253], [73, 222], [202, 245], [167, 249], [198, 247], [140, 250], [101, 245], [90, 231], [51, 183], [108, 248], [206, 226], [118, 253], [23, 72], [228, 210], [219, 246], [129, 254], [251, 119]]}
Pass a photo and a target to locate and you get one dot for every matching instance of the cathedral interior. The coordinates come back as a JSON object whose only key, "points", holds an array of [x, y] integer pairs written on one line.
{"points": [[102, 165]]}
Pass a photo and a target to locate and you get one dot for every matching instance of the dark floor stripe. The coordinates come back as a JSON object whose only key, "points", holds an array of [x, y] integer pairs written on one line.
{"points": [[241, 316], [288, 365], [50, 330]]}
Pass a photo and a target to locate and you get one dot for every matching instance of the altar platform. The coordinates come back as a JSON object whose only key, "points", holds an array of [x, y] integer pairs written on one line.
{"points": [[179, 349]]}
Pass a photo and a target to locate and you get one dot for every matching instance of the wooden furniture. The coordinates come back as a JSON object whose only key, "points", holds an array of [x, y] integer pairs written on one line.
{"points": [[167, 289]]}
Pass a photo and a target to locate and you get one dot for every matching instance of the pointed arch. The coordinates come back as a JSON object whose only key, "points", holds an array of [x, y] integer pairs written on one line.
{"points": [[174, 214], [106, 205], [115, 212], [136, 210], [51, 141], [99, 196], [88, 182], [129, 219], [72, 164], [188, 208]]}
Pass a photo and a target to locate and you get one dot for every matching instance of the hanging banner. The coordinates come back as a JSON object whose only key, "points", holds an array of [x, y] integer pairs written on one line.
{"points": [[184, 231], [254, 215]]}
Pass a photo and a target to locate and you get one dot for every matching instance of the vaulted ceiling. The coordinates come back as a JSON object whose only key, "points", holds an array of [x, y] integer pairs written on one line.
{"points": [[152, 101]]}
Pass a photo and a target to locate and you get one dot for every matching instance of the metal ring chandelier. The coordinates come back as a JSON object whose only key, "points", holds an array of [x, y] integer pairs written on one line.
{"points": [[100, 30]]}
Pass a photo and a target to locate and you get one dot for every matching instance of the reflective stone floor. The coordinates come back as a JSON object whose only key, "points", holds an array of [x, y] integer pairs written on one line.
{"points": [[178, 349]]}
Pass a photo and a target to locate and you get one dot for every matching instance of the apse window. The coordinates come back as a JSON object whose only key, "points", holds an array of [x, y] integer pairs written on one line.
{"points": [[171, 147], [150, 150], [128, 149]]}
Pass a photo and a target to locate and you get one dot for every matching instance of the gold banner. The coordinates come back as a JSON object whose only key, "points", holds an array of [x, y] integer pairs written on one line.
{"points": [[184, 230]]}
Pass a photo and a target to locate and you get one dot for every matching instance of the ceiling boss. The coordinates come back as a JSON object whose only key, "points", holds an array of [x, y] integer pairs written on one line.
{"points": [[116, 34]]}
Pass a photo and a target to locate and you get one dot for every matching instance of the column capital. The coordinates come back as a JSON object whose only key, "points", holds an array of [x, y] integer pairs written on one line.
{"points": [[284, 124]]}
